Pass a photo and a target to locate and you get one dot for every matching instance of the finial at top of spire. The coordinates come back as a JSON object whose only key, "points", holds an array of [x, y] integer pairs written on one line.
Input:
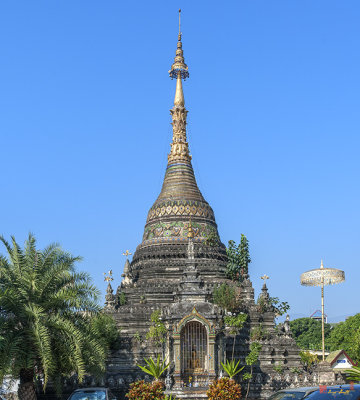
{"points": [[179, 68]]}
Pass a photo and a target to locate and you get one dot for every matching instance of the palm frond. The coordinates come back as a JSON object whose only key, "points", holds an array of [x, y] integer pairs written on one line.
{"points": [[353, 374], [42, 337], [6, 244]]}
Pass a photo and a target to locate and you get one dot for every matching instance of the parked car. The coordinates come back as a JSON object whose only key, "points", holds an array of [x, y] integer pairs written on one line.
{"points": [[293, 394], [337, 392], [94, 393], [322, 392]]}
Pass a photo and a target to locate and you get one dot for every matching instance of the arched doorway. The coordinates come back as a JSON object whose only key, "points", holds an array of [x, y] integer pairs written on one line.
{"points": [[194, 352]]}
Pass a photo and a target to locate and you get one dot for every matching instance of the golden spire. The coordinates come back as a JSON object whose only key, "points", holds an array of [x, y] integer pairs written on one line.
{"points": [[179, 70], [179, 94]]}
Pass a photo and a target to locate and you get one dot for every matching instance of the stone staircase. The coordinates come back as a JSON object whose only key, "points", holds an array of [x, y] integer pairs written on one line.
{"points": [[189, 393]]}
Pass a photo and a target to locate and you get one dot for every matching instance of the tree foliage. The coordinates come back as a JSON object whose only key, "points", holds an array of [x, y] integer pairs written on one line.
{"points": [[279, 368], [346, 336], [307, 333], [250, 360], [279, 307], [258, 332], [157, 331], [253, 356], [238, 259], [273, 304], [235, 323], [122, 299], [212, 238], [309, 360], [224, 296], [105, 331], [50, 320]]}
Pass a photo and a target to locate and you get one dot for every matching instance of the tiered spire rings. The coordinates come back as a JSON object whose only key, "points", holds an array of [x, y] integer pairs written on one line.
{"points": [[179, 67], [179, 70]]}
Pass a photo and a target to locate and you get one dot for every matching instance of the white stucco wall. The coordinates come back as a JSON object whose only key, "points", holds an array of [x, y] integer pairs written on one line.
{"points": [[342, 362]]}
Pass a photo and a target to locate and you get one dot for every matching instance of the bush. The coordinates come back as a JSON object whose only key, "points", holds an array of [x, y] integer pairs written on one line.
{"points": [[224, 296], [308, 360], [224, 389], [140, 390]]}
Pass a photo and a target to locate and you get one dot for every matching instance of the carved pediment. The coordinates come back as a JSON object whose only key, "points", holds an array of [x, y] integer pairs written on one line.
{"points": [[194, 316]]}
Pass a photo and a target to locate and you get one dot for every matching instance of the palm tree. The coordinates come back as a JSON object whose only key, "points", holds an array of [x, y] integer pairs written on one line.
{"points": [[48, 317]]}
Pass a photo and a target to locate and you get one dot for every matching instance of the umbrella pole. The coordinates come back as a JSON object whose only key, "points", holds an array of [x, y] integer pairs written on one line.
{"points": [[322, 321]]}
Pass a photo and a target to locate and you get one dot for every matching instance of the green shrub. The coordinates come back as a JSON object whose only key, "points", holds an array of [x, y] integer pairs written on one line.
{"points": [[224, 296], [231, 368], [140, 390], [122, 299], [224, 389], [155, 368]]}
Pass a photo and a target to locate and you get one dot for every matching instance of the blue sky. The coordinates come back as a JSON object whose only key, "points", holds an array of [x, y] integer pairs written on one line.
{"points": [[273, 100]]}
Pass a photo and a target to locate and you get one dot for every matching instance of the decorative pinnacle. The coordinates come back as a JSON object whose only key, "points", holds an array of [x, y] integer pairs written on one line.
{"points": [[108, 276], [127, 253], [264, 277], [322, 264], [179, 146], [179, 68]]}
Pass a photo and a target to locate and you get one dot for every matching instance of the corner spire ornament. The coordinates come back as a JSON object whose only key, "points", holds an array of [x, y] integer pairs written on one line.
{"points": [[108, 277], [109, 296], [127, 253]]}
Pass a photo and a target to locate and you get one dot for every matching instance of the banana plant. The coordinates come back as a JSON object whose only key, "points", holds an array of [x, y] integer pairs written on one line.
{"points": [[154, 368], [231, 368], [353, 374]]}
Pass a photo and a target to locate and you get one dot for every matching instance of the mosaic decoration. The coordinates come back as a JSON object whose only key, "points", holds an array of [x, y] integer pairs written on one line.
{"points": [[181, 207], [178, 229]]}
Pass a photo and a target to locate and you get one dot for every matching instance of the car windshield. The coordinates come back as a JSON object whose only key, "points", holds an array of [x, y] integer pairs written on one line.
{"points": [[335, 394], [287, 396], [89, 394]]}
